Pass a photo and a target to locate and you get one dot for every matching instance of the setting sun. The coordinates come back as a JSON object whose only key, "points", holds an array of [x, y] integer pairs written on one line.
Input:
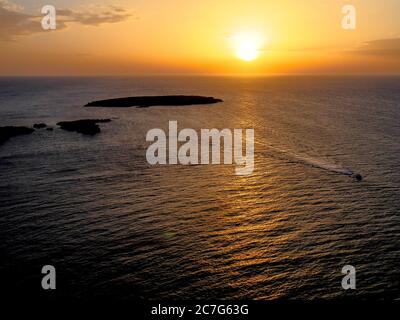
{"points": [[247, 46], [247, 52]]}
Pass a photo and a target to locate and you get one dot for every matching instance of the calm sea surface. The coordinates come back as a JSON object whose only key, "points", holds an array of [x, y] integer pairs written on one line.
{"points": [[113, 225]]}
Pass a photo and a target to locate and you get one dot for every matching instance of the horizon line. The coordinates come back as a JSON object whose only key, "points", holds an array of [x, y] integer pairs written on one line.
{"points": [[233, 75]]}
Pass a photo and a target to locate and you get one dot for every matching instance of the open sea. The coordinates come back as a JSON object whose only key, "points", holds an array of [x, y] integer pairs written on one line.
{"points": [[115, 226]]}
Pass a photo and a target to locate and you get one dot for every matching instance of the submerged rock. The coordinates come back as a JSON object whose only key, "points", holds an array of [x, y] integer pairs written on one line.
{"points": [[85, 126], [8, 132], [148, 101], [39, 125], [49, 129]]}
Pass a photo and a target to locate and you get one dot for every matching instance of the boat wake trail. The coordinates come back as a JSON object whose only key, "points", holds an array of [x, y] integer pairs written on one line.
{"points": [[317, 163]]}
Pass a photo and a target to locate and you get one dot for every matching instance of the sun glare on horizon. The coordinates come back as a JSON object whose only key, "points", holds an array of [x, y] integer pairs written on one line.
{"points": [[247, 46]]}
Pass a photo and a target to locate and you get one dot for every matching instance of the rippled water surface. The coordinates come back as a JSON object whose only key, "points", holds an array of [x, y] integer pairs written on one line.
{"points": [[113, 225]]}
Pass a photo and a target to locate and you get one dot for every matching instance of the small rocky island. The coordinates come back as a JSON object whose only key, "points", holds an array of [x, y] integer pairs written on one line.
{"points": [[148, 101], [40, 125], [85, 126], [8, 132]]}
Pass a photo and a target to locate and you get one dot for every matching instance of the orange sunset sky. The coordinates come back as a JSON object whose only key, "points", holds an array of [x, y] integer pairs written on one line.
{"points": [[199, 37]]}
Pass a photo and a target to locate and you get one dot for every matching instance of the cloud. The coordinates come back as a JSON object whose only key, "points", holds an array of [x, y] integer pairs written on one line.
{"points": [[112, 15], [381, 48], [14, 22], [10, 6]]}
